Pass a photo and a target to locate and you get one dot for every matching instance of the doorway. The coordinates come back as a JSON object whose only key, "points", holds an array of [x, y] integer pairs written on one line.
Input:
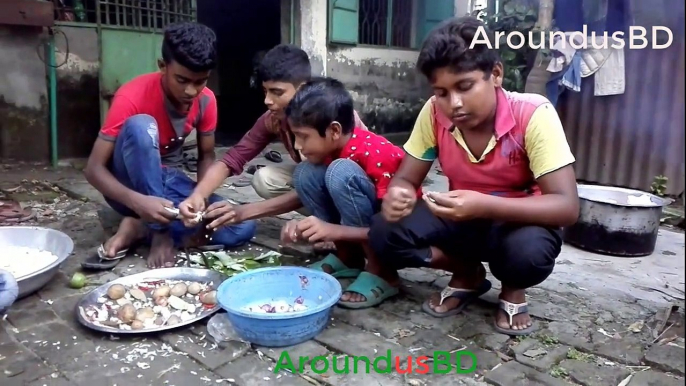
{"points": [[244, 32]]}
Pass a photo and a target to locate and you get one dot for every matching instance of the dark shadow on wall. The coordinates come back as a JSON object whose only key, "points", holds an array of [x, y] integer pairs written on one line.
{"points": [[78, 119], [244, 31]]}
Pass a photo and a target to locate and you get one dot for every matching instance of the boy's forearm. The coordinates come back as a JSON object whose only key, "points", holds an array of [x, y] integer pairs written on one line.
{"points": [[282, 204], [204, 164], [211, 180], [554, 210], [346, 233]]}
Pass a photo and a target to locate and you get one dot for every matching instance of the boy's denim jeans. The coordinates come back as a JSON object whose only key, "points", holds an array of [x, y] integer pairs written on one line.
{"points": [[8, 291], [137, 164], [341, 193]]}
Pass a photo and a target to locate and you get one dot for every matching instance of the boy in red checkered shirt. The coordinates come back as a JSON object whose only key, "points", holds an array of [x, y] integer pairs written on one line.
{"points": [[342, 184]]}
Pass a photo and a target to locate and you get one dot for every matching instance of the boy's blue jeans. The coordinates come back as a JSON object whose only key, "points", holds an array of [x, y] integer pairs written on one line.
{"points": [[341, 193], [137, 164], [8, 291]]}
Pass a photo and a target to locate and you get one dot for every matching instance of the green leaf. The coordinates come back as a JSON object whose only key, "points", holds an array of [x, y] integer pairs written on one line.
{"points": [[252, 264]]}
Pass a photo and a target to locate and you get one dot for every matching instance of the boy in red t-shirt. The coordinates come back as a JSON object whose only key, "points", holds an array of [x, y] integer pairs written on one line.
{"points": [[342, 183], [136, 160]]}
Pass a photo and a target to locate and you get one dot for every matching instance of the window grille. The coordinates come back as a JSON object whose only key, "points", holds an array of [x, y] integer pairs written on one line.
{"points": [[134, 14], [386, 23]]}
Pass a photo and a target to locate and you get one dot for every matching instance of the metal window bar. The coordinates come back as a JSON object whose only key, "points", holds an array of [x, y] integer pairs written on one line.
{"points": [[145, 14], [385, 23], [78, 11]]}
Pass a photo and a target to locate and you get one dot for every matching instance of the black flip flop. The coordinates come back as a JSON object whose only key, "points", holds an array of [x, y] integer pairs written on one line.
{"points": [[252, 169], [274, 156], [98, 262]]}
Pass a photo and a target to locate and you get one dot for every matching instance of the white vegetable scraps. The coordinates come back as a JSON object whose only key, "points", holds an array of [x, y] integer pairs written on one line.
{"points": [[23, 261]]}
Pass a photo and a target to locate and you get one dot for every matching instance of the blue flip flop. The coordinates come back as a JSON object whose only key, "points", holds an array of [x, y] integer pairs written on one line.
{"points": [[375, 289], [340, 270], [466, 297]]}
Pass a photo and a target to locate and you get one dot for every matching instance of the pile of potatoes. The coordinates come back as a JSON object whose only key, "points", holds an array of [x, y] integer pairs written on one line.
{"points": [[164, 303]]}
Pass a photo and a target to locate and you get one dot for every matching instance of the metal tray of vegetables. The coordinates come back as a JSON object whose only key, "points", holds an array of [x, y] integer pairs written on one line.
{"points": [[152, 301]]}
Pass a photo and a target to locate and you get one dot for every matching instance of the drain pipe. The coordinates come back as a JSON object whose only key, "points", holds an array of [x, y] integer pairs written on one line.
{"points": [[52, 89], [292, 22]]}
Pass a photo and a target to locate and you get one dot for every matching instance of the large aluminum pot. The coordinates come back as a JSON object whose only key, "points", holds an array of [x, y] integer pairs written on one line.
{"points": [[616, 221], [40, 238]]}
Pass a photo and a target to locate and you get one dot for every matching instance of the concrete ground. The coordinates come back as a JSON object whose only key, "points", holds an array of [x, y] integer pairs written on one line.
{"points": [[602, 320]]}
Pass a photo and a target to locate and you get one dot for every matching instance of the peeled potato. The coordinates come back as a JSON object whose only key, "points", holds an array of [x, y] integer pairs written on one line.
{"points": [[126, 313], [173, 320], [137, 325], [209, 298], [161, 292], [194, 288], [116, 291], [144, 314], [179, 290]]}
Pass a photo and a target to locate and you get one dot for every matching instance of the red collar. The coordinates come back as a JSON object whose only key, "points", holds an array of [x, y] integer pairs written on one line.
{"points": [[504, 116]]}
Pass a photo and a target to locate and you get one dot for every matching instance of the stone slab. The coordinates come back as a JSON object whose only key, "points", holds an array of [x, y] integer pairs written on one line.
{"points": [[591, 374], [516, 374]]}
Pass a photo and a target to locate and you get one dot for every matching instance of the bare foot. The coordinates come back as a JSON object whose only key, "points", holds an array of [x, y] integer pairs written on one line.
{"points": [[130, 230], [162, 251], [472, 280], [519, 322]]}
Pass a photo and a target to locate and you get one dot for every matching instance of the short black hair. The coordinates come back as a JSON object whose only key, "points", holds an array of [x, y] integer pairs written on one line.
{"points": [[191, 45], [447, 45], [285, 63], [320, 102]]}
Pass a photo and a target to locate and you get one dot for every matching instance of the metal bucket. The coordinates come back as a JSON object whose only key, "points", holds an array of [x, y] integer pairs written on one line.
{"points": [[616, 221], [40, 238]]}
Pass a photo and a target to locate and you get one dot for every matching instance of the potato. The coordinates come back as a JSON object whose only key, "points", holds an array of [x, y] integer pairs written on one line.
{"points": [[161, 292], [126, 313], [161, 301], [179, 290], [194, 288], [209, 298], [116, 291], [137, 325], [173, 320], [159, 321], [144, 314]]}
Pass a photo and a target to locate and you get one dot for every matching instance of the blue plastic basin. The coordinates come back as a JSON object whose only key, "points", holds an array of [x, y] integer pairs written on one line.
{"points": [[269, 285]]}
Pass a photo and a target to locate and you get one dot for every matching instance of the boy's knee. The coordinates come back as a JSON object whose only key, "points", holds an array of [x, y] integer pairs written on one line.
{"points": [[340, 173], [9, 291], [245, 231], [269, 182], [235, 235], [527, 257], [308, 176], [141, 128]]}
